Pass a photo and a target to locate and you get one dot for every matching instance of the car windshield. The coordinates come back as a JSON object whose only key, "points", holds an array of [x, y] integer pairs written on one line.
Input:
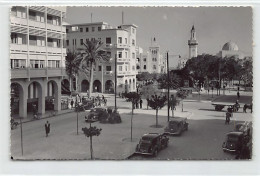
{"points": [[146, 139], [173, 125], [232, 138]]}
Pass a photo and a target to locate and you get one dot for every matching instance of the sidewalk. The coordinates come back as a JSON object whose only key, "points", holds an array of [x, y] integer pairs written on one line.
{"points": [[48, 114]]}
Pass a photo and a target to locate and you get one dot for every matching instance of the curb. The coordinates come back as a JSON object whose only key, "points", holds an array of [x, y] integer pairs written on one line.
{"points": [[47, 117]]}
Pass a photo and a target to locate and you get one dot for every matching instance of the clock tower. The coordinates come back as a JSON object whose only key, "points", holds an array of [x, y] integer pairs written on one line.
{"points": [[193, 51]]}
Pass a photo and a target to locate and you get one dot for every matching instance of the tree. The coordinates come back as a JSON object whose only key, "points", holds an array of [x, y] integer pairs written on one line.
{"points": [[90, 132], [133, 97], [89, 57], [157, 102], [247, 71], [72, 66], [147, 91], [174, 82]]}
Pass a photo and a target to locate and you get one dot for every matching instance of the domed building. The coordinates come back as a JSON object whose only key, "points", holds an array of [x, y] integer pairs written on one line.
{"points": [[230, 49]]}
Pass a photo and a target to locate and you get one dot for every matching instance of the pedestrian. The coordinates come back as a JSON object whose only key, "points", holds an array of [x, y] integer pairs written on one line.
{"points": [[72, 103], [228, 115], [244, 108], [141, 103], [47, 128], [238, 95], [137, 104]]}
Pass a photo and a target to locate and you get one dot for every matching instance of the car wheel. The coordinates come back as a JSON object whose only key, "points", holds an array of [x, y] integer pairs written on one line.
{"points": [[155, 153]]}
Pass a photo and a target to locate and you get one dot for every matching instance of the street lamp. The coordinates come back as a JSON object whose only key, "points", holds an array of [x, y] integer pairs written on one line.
{"points": [[115, 79], [168, 86]]}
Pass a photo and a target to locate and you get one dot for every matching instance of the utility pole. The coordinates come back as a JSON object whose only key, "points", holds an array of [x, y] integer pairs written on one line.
{"points": [[115, 79], [21, 126], [168, 82]]}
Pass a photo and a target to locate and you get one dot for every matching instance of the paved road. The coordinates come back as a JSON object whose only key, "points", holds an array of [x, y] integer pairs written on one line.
{"points": [[202, 141], [204, 138]]}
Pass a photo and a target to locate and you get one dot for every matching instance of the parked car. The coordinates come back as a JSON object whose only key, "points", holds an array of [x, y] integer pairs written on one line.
{"points": [[235, 142], [151, 144], [176, 126], [244, 127]]}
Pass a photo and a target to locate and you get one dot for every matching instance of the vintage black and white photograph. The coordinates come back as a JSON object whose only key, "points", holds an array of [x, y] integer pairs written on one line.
{"points": [[131, 83]]}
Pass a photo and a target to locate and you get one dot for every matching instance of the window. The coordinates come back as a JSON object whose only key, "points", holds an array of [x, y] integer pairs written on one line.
{"points": [[16, 63], [120, 40], [133, 55], [67, 42], [133, 42], [120, 68], [126, 67], [99, 68], [86, 29], [93, 29], [67, 30], [92, 39], [133, 67], [99, 28], [57, 64], [108, 54], [133, 30], [14, 38], [144, 67], [74, 42], [108, 40], [108, 68], [81, 29], [137, 67], [81, 41], [119, 54], [144, 59], [154, 67], [32, 15], [87, 40], [41, 63], [125, 40], [126, 54]]}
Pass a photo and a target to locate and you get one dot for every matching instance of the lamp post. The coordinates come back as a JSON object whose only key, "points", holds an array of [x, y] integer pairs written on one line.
{"points": [[21, 126], [168, 86], [77, 109], [115, 80]]}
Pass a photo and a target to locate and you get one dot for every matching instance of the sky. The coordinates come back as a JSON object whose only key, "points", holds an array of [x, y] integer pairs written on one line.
{"points": [[171, 25]]}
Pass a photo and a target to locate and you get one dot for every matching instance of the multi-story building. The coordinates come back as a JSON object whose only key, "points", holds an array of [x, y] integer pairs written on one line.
{"points": [[152, 61], [37, 57], [118, 42]]}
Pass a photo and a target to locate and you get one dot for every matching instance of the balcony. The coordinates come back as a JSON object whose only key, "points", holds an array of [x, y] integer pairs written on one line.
{"points": [[121, 73], [37, 49], [123, 60], [54, 50], [37, 72], [19, 48], [119, 45], [37, 24], [19, 21], [108, 72], [108, 46], [53, 72], [53, 27], [19, 73]]}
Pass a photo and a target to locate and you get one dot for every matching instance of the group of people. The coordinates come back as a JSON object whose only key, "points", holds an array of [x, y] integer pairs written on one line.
{"points": [[99, 101], [137, 103]]}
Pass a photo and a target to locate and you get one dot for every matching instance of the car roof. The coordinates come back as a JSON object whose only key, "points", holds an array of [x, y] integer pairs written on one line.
{"points": [[235, 133], [151, 135], [178, 119]]}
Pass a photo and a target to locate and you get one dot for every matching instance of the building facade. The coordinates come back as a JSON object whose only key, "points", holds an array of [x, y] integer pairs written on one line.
{"points": [[152, 61], [37, 57], [118, 42], [193, 44]]}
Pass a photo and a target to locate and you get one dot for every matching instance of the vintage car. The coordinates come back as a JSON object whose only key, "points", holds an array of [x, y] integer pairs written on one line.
{"points": [[235, 142], [97, 113], [151, 144], [176, 126]]}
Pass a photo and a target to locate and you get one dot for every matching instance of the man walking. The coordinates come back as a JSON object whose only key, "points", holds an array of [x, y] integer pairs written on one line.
{"points": [[141, 103], [47, 128], [238, 95]]}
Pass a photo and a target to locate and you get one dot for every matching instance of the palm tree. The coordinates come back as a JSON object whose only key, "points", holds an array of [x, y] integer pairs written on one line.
{"points": [[89, 57], [72, 66]]}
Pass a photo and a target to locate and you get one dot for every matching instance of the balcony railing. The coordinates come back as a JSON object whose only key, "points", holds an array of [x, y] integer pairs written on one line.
{"points": [[120, 45], [15, 20], [37, 72], [123, 60], [19, 48], [56, 27], [38, 49], [37, 24]]}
